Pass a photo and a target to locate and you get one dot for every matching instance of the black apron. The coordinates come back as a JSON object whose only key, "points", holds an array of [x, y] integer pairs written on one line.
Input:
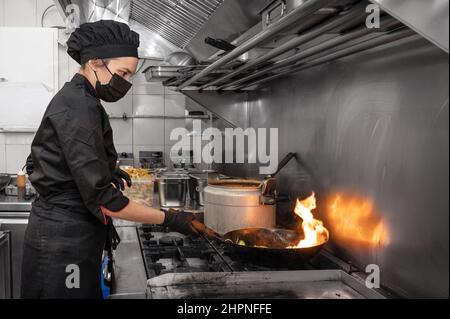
{"points": [[59, 239]]}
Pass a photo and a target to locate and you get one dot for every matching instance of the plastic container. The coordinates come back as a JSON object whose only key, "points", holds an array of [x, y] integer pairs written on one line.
{"points": [[141, 190]]}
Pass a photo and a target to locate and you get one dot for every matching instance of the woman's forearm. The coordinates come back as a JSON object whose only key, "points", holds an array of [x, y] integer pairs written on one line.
{"points": [[137, 213]]}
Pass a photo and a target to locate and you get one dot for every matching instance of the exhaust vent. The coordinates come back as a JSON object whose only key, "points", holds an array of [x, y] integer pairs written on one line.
{"points": [[177, 21]]}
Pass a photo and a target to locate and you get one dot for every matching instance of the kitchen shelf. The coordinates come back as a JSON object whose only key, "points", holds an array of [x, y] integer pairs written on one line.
{"points": [[341, 29]]}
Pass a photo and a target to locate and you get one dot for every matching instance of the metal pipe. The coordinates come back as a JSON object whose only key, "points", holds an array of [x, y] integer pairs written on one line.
{"points": [[126, 117], [300, 12], [19, 130], [381, 40], [321, 47], [353, 13]]}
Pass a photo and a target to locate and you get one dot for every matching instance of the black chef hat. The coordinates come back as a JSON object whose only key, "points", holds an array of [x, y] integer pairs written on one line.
{"points": [[102, 39]]}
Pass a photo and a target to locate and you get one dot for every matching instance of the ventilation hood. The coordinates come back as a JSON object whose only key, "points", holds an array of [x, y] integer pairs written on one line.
{"points": [[310, 33], [167, 26]]}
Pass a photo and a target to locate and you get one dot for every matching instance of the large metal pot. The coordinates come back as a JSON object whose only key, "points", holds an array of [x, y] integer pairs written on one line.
{"points": [[236, 204]]}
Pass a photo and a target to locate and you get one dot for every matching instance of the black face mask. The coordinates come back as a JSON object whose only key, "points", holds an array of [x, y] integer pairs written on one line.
{"points": [[116, 89]]}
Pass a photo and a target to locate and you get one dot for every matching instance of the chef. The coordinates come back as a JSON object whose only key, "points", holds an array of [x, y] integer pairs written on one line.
{"points": [[73, 168]]}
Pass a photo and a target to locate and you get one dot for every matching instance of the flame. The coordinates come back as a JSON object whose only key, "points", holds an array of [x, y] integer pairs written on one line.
{"points": [[354, 220], [313, 229]]}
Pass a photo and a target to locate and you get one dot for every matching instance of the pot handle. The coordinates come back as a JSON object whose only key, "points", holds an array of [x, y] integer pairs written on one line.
{"points": [[268, 187]]}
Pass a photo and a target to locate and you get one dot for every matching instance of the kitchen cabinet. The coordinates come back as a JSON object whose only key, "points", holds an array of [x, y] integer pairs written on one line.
{"points": [[5, 265], [15, 223], [28, 75]]}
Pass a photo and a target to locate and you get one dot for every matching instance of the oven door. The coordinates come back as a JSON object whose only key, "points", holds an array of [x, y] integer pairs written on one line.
{"points": [[5, 265], [16, 223]]}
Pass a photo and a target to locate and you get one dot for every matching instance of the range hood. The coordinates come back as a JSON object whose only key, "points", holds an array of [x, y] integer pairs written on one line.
{"points": [[167, 26], [308, 33], [315, 32]]}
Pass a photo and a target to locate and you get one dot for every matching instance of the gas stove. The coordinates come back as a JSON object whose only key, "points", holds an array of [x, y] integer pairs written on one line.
{"points": [[179, 266], [168, 252]]}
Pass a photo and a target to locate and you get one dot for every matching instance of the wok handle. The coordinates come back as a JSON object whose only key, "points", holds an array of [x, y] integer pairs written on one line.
{"points": [[206, 231]]}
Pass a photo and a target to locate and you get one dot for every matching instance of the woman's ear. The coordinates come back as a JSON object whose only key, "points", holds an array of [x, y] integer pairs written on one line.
{"points": [[95, 64]]}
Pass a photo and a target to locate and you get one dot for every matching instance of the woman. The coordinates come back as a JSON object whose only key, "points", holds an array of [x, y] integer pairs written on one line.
{"points": [[73, 168]]}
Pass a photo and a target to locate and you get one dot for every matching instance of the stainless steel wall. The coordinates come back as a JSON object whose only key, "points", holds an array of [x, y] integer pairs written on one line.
{"points": [[372, 134]]}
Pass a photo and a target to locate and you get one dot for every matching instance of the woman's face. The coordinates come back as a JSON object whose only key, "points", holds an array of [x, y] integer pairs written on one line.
{"points": [[124, 67]]}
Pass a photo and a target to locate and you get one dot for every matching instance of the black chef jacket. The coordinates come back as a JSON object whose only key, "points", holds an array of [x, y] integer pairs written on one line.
{"points": [[73, 151]]}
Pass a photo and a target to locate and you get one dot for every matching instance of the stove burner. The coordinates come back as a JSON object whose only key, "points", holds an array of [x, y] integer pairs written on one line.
{"points": [[166, 252], [171, 241]]}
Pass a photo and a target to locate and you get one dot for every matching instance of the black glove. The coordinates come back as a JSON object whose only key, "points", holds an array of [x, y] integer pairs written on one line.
{"points": [[180, 222], [119, 177], [29, 167]]}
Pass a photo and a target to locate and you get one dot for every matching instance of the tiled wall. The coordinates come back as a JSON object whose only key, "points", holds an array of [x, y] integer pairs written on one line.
{"points": [[144, 99], [15, 147], [147, 99]]}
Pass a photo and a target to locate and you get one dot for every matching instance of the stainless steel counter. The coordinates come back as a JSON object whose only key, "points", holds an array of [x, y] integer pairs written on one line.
{"points": [[130, 276], [12, 204]]}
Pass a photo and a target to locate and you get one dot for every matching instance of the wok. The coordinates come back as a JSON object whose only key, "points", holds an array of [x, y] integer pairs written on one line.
{"points": [[274, 253]]}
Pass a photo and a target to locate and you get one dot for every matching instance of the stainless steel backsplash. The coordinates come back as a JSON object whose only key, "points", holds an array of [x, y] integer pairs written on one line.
{"points": [[372, 135]]}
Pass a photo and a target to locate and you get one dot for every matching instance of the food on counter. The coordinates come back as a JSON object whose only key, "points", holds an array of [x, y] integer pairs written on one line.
{"points": [[141, 190], [137, 172]]}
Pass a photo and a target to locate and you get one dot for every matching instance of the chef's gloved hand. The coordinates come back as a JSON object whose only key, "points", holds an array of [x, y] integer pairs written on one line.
{"points": [[119, 178], [29, 165], [180, 222]]}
